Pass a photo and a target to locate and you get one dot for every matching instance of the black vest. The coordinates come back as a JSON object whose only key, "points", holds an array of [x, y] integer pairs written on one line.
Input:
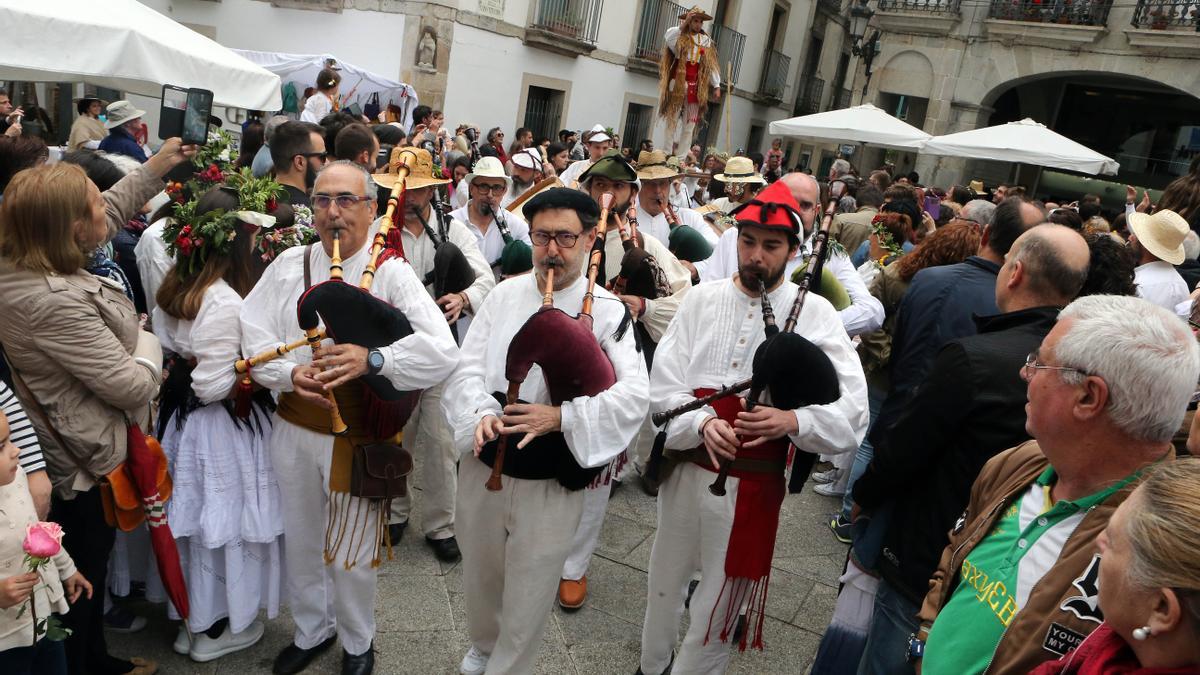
{"points": [[545, 457]]}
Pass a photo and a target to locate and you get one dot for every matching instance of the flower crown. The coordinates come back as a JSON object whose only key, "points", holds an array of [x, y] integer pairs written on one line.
{"points": [[192, 237], [879, 226]]}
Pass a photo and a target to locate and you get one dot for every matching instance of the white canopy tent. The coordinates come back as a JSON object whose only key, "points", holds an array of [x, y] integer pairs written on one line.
{"points": [[125, 45], [1028, 142], [860, 124], [357, 84]]}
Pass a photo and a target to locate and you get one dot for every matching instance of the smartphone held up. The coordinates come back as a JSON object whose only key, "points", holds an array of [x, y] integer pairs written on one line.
{"points": [[185, 113]]}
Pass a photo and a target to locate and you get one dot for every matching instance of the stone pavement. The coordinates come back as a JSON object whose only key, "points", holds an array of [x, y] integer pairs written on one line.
{"points": [[422, 619]]}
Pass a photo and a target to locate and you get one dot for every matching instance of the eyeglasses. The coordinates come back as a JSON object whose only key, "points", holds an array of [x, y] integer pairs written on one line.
{"points": [[967, 220], [563, 239], [322, 202], [494, 188], [323, 155], [1032, 365]]}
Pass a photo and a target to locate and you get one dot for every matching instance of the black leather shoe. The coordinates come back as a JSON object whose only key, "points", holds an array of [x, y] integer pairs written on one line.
{"points": [[395, 531], [362, 664], [446, 549], [294, 659]]}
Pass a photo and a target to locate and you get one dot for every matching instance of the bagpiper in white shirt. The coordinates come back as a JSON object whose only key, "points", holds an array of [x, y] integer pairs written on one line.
{"points": [[515, 540], [712, 343], [655, 179], [332, 585]]}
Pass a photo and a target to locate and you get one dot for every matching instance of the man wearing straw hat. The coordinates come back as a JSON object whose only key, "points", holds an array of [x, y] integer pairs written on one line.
{"points": [[689, 76], [1157, 244], [427, 433], [331, 578], [655, 177], [484, 214], [741, 181]]}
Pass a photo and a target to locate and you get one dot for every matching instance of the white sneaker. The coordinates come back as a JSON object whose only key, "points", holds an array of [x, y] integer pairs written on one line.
{"points": [[830, 490], [182, 644], [826, 476], [474, 663], [206, 649]]}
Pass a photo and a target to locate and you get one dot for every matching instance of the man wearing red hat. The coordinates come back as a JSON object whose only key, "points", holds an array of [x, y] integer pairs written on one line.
{"points": [[713, 341]]}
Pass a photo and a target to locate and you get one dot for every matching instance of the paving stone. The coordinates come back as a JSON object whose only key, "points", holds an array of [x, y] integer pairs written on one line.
{"points": [[817, 608], [412, 604]]}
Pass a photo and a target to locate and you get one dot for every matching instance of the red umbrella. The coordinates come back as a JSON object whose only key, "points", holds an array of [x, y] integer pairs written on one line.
{"points": [[148, 466]]}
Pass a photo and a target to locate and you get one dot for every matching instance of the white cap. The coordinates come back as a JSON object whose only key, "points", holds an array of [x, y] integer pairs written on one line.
{"points": [[599, 134], [529, 158]]}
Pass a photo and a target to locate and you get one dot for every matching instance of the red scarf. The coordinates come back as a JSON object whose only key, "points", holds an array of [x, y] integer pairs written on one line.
{"points": [[1104, 653], [752, 536]]}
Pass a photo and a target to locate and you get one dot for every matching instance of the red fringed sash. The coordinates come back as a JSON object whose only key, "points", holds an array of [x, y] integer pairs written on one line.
{"points": [[752, 536]]}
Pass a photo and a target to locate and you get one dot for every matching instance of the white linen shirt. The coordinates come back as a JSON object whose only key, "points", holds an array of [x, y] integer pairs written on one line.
{"points": [[1161, 284], [660, 229], [268, 317], [213, 339], [491, 243], [712, 342], [596, 428], [419, 251], [659, 312], [865, 313], [153, 262], [570, 175]]}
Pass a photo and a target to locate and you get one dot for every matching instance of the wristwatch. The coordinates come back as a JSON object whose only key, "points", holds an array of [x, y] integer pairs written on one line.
{"points": [[916, 648], [374, 362]]}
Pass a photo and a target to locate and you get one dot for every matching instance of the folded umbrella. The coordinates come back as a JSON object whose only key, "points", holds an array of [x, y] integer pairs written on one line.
{"points": [[147, 466]]}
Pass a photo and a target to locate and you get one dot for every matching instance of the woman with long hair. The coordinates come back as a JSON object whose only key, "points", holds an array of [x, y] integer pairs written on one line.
{"points": [[224, 511], [82, 368]]}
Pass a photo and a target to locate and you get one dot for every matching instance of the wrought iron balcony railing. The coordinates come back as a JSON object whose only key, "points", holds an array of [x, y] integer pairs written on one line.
{"points": [[575, 19], [809, 99], [657, 17], [730, 45], [938, 6], [774, 75], [842, 101], [1072, 12], [1167, 14]]}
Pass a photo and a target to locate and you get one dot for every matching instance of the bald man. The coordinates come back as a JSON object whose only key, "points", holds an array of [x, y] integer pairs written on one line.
{"points": [[970, 406]]}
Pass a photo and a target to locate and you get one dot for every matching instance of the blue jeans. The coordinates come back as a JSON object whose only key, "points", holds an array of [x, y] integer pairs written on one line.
{"points": [[862, 457], [47, 658], [894, 620]]}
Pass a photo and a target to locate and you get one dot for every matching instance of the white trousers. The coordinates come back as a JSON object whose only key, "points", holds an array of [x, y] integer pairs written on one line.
{"points": [[324, 599], [693, 533], [514, 542], [427, 436], [587, 535]]}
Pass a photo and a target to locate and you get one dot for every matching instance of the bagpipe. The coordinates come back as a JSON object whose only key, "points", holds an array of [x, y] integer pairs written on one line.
{"points": [[640, 275], [787, 366], [516, 257], [353, 316], [573, 363], [451, 272], [684, 242]]}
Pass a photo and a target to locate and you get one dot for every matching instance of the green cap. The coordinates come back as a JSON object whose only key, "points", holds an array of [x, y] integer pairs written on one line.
{"points": [[613, 166], [831, 289], [688, 244], [516, 258]]}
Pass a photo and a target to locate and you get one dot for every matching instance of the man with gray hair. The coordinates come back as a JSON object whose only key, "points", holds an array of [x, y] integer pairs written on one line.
{"points": [[262, 164], [839, 168], [977, 212], [970, 407], [331, 538], [1017, 583]]}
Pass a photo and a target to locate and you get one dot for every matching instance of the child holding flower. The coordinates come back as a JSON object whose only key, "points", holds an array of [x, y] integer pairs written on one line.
{"points": [[56, 582]]}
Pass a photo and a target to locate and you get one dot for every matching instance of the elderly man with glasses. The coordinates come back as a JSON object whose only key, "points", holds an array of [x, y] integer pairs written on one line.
{"points": [[1017, 584], [970, 407], [516, 540], [332, 582]]}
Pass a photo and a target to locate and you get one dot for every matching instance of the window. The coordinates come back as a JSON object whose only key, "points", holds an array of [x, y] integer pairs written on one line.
{"points": [[755, 142], [543, 111], [638, 125]]}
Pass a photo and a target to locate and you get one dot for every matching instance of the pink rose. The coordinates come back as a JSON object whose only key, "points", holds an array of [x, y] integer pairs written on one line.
{"points": [[43, 539]]}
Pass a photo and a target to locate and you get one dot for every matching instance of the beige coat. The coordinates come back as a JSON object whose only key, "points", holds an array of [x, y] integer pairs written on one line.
{"points": [[16, 511], [72, 338], [852, 229], [86, 129]]}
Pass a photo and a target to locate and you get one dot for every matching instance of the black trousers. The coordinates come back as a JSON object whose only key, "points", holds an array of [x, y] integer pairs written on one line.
{"points": [[89, 541]]}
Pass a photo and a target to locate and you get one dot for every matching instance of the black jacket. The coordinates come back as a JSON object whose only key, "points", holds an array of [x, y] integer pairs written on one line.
{"points": [[1190, 271], [970, 407]]}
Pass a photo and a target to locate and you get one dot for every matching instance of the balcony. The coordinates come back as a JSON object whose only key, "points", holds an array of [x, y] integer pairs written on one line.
{"points": [[919, 17], [730, 45], [657, 17], [567, 27], [1048, 23], [774, 76], [809, 99], [842, 100], [1161, 26], [831, 6]]}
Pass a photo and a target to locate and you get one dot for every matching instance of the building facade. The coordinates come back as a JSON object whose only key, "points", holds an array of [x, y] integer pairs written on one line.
{"points": [[1119, 76]]}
